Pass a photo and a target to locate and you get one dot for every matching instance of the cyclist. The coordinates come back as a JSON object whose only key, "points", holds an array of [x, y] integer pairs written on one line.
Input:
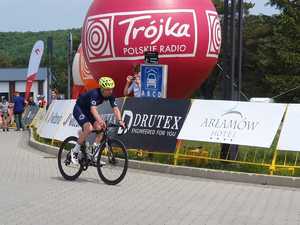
{"points": [[87, 116]]}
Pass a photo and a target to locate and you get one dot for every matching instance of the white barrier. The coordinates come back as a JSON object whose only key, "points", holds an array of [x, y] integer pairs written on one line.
{"points": [[43, 122], [289, 136], [241, 123], [39, 117], [69, 126], [59, 122]]}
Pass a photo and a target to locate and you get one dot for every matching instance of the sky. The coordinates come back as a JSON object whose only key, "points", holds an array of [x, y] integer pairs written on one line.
{"points": [[44, 15], [262, 8]]}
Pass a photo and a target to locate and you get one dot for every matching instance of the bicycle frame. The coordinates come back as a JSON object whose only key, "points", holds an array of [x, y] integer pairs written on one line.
{"points": [[105, 140]]}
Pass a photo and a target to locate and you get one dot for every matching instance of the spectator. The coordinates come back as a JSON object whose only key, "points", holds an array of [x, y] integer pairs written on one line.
{"points": [[19, 104], [10, 112], [41, 101], [61, 97], [31, 101], [133, 83], [54, 95], [4, 113]]}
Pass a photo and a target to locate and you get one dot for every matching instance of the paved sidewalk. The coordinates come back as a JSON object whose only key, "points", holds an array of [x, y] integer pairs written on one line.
{"points": [[33, 192]]}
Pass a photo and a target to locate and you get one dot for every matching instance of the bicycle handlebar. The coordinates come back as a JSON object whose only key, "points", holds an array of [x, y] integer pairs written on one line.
{"points": [[111, 125]]}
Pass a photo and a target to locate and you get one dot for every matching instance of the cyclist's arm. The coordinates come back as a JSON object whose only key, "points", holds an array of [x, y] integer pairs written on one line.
{"points": [[117, 114], [95, 114], [116, 110]]}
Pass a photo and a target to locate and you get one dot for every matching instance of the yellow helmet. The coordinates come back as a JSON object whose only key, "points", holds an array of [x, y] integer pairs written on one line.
{"points": [[106, 83]]}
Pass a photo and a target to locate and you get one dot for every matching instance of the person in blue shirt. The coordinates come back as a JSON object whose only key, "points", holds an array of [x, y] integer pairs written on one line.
{"points": [[19, 104], [86, 114]]}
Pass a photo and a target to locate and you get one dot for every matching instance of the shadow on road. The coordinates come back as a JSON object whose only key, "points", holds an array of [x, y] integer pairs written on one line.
{"points": [[80, 180]]}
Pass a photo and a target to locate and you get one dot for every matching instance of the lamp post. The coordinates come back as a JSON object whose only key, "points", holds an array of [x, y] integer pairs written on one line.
{"points": [[232, 60], [240, 46], [69, 59], [49, 68]]}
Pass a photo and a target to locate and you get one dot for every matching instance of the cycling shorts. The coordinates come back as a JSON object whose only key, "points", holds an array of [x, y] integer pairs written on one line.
{"points": [[83, 116]]}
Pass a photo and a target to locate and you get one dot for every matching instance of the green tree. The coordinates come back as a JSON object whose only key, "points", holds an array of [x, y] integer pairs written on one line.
{"points": [[15, 49], [5, 60], [271, 52], [211, 87]]}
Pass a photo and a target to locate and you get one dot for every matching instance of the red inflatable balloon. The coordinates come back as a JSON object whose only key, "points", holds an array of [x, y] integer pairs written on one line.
{"points": [[85, 74], [185, 33]]}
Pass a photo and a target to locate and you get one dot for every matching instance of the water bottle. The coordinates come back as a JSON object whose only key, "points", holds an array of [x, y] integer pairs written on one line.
{"points": [[96, 148]]}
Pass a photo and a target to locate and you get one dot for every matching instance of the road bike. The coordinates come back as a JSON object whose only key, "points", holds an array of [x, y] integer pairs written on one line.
{"points": [[110, 157]]}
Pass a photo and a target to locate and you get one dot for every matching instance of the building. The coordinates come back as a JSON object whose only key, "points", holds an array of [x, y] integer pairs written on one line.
{"points": [[14, 80]]}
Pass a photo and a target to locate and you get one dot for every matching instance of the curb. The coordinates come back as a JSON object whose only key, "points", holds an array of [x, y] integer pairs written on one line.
{"points": [[252, 178]]}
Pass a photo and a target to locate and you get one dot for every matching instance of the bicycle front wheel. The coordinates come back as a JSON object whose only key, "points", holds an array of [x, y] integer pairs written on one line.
{"points": [[67, 169], [112, 162]]}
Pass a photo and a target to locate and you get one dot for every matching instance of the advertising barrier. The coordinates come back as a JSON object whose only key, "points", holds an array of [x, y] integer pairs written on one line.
{"points": [[156, 124], [289, 136], [153, 124], [68, 125], [29, 114], [43, 122], [59, 122], [241, 123], [106, 112], [52, 125], [39, 117]]}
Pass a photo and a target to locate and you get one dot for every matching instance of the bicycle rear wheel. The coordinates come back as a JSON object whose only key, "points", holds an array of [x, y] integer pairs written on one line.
{"points": [[67, 169], [112, 162]]}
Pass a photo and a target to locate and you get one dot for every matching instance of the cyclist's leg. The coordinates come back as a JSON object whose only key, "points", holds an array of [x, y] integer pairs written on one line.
{"points": [[87, 128], [97, 126], [83, 120], [99, 136]]}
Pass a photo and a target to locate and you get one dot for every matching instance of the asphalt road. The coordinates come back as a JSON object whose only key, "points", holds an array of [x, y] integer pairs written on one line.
{"points": [[33, 192]]}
